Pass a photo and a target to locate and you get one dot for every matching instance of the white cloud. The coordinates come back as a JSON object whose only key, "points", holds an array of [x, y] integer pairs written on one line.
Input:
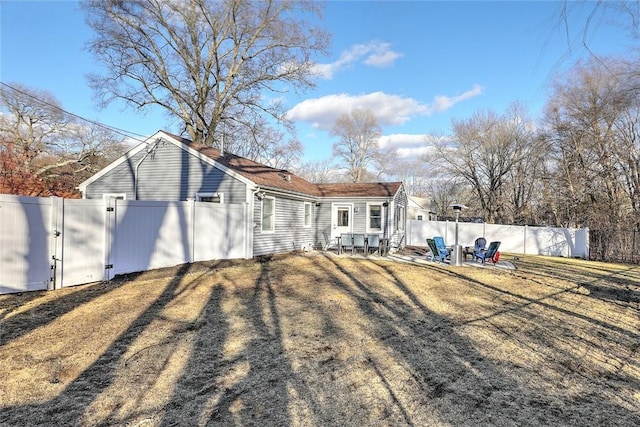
{"points": [[382, 56], [375, 54], [388, 109], [441, 103], [410, 146], [401, 139], [413, 152]]}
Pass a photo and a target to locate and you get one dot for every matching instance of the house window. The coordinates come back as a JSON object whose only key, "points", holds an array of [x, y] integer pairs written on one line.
{"points": [[119, 196], [400, 218], [374, 221], [419, 217], [307, 214], [343, 217], [210, 197], [268, 214]]}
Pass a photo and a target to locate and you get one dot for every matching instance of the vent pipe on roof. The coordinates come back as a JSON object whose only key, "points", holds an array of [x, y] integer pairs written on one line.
{"points": [[286, 176]]}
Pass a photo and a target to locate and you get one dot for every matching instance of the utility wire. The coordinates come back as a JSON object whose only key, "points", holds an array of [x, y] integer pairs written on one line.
{"points": [[121, 132]]}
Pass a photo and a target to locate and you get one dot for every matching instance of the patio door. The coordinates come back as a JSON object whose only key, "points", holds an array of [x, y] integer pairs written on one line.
{"points": [[341, 218]]}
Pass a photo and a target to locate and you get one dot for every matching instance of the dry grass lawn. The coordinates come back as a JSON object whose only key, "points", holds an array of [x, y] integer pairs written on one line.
{"points": [[319, 340]]}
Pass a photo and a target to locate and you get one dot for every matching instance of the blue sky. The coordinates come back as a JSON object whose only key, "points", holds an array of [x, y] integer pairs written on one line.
{"points": [[416, 64]]}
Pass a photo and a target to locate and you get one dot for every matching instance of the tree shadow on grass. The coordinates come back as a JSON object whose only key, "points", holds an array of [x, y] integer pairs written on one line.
{"points": [[15, 326], [68, 407], [441, 365], [12, 327], [250, 388], [456, 381], [255, 384], [194, 395]]}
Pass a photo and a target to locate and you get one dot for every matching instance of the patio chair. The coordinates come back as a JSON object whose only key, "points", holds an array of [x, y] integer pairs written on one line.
{"points": [[329, 242], [435, 254], [373, 243], [443, 251], [480, 246], [346, 241], [359, 243], [490, 253]]}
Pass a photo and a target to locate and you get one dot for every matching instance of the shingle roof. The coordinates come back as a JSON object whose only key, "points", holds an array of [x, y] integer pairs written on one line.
{"points": [[280, 179], [370, 189]]}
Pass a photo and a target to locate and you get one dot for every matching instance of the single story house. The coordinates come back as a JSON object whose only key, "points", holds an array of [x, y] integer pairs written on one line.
{"points": [[288, 211]]}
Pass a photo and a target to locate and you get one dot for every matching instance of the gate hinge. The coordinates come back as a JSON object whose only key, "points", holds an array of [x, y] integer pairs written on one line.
{"points": [[109, 209], [108, 266]]}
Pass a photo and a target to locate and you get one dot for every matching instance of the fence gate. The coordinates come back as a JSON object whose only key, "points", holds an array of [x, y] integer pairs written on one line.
{"points": [[80, 247]]}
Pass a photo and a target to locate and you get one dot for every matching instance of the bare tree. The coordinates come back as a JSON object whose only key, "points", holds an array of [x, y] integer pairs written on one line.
{"points": [[445, 190], [270, 146], [414, 173], [593, 122], [624, 14], [486, 149], [205, 62], [45, 150], [358, 147], [319, 172]]}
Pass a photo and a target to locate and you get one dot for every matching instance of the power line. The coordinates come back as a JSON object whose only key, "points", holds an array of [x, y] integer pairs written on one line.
{"points": [[121, 132]]}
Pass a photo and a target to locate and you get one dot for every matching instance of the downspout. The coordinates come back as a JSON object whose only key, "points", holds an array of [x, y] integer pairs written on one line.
{"points": [[385, 233], [250, 226], [135, 174]]}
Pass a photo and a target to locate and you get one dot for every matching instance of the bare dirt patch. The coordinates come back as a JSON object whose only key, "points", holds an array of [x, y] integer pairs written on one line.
{"points": [[316, 339]]}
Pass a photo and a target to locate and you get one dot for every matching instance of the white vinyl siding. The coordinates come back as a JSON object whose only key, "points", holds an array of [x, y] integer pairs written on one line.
{"points": [[170, 174], [289, 230]]}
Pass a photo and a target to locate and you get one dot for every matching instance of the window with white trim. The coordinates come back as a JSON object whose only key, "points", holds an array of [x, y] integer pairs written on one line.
{"points": [[268, 214], [374, 217], [210, 197], [307, 214]]}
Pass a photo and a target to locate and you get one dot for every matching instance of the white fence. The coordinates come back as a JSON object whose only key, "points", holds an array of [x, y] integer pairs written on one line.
{"points": [[567, 242], [50, 243]]}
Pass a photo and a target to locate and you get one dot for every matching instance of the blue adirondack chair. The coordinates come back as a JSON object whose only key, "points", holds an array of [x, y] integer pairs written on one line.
{"points": [[480, 246], [443, 251], [436, 254], [490, 253]]}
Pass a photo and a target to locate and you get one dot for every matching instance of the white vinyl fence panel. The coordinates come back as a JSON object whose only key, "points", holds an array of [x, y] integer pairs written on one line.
{"points": [[567, 242], [51, 243], [222, 233], [150, 235], [25, 240]]}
